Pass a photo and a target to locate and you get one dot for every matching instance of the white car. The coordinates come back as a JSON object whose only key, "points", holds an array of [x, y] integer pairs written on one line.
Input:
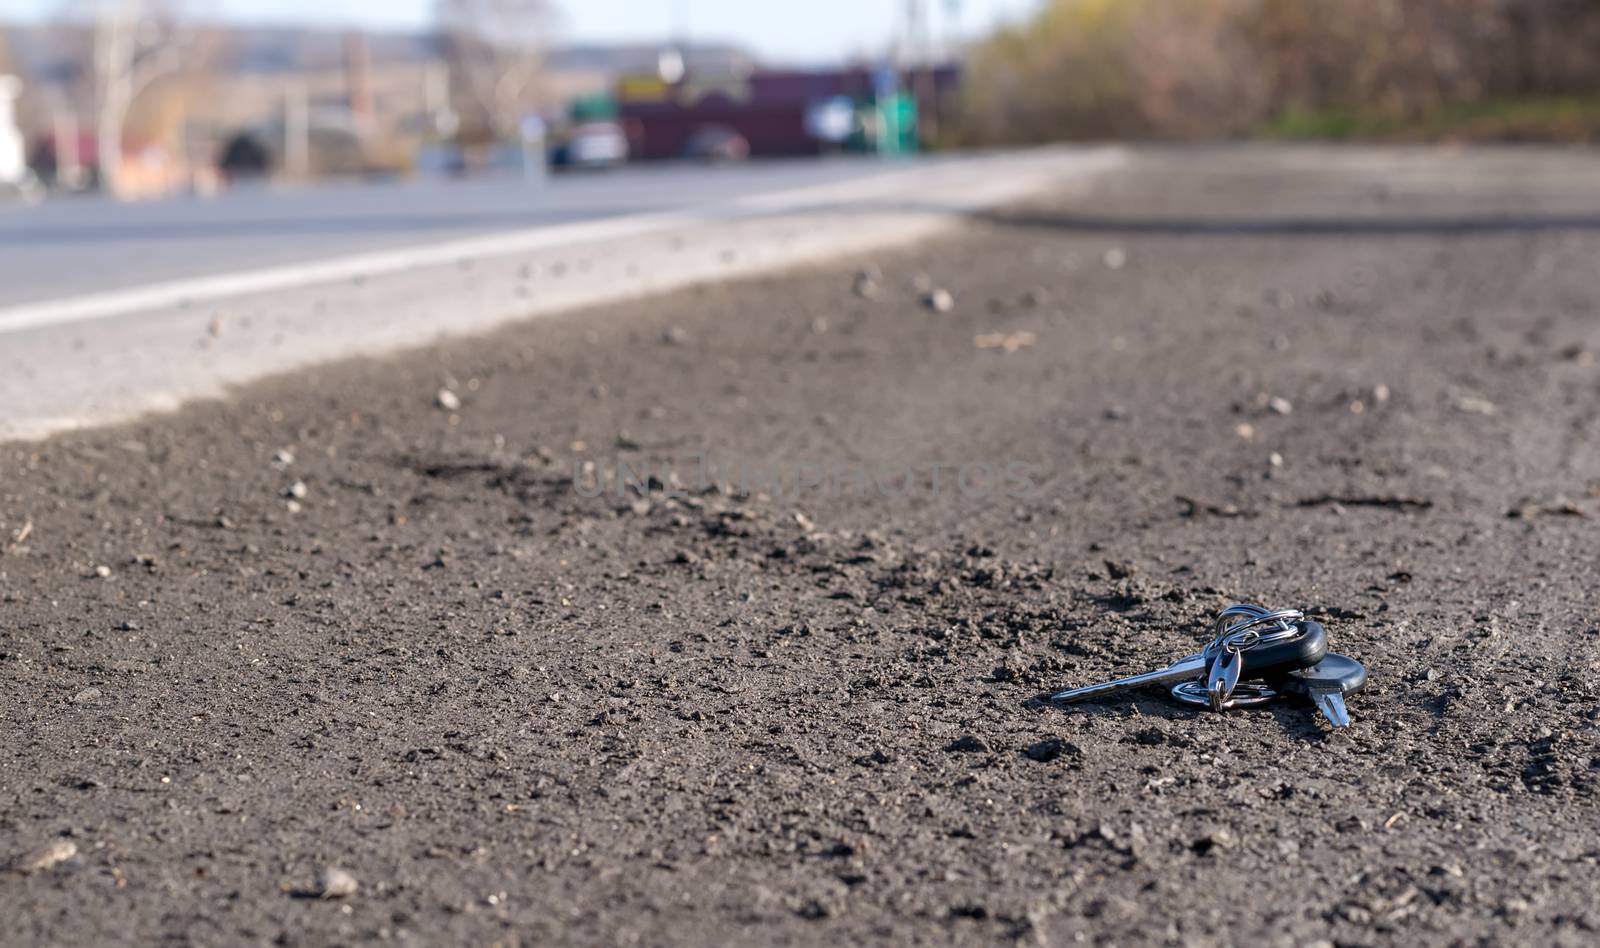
{"points": [[594, 145]]}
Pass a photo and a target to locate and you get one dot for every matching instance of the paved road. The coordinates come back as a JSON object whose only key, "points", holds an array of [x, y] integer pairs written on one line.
{"points": [[76, 246], [87, 358]]}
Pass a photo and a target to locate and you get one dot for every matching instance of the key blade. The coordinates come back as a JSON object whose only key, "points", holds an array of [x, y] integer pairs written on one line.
{"points": [[1180, 670], [1331, 704]]}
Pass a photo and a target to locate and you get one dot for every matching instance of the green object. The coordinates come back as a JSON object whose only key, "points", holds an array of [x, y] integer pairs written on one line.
{"points": [[897, 125], [595, 107]]}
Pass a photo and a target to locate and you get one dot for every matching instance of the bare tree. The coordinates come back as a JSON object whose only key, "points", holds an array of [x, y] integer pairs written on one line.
{"points": [[496, 50], [137, 43]]}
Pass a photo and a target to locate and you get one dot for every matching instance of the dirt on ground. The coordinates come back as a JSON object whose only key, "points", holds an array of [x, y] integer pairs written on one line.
{"points": [[722, 617]]}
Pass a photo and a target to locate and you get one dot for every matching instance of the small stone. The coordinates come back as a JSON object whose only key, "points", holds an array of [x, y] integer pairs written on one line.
{"points": [[940, 301], [104, 572], [45, 857], [1380, 393], [297, 490], [86, 695], [1245, 430], [866, 286], [1473, 405], [448, 400], [293, 506], [1275, 459], [675, 336], [1116, 258], [1279, 405], [1115, 413], [283, 458], [967, 744], [336, 883]]}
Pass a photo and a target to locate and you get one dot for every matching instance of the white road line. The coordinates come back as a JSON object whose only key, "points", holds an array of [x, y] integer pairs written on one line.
{"points": [[189, 291]]}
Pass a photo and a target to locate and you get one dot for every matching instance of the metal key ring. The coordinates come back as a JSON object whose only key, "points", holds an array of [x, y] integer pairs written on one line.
{"points": [[1246, 634], [1245, 694]]}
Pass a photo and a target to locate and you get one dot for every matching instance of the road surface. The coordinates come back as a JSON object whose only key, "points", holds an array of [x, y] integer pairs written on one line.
{"points": [[70, 247], [181, 300], [328, 621]]}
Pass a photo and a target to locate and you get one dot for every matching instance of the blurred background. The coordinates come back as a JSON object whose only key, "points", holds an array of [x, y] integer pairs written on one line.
{"points": [[145, 98]]}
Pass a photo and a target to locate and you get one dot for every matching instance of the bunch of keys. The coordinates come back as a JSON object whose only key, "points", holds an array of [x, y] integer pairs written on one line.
{"points": [[1255, 656]]}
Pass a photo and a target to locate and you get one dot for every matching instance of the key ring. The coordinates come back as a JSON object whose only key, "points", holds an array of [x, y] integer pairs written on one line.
{"points": [[1247, 694], [1238, 629], [1245, 634]]}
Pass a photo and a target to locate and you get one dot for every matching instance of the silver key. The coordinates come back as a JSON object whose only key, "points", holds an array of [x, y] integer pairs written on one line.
{"points": [[1181, 670]]}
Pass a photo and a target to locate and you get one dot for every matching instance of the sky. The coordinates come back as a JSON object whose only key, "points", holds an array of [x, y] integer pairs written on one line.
{"points": [[790, 30]]}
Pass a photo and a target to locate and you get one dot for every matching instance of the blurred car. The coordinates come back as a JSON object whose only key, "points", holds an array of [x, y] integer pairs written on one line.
{"points": [[592, 145], [716, 144]]}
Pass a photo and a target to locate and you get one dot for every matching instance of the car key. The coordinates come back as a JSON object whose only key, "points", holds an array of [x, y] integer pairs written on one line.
{"points": [[1258, 656], [1326, 684]]}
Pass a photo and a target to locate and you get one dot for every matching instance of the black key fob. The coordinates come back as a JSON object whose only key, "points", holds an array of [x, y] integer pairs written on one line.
{"points": [[1334, 673], [1277, 658]]}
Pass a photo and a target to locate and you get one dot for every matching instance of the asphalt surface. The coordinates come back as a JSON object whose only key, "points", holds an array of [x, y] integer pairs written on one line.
{"points": [[70, 247], [520, 705]]}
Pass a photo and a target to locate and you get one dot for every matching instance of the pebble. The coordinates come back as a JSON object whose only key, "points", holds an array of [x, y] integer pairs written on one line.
{"points": [[1245, 430], [1279, 405], [283, 458], [1380, 393], [940, 301], [1473, 405], [45, 857], [867, 286], [675, 336], [335, 883], [104, 572], [86, 695], [448, 400], [1116, 258], [297, 490]]}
